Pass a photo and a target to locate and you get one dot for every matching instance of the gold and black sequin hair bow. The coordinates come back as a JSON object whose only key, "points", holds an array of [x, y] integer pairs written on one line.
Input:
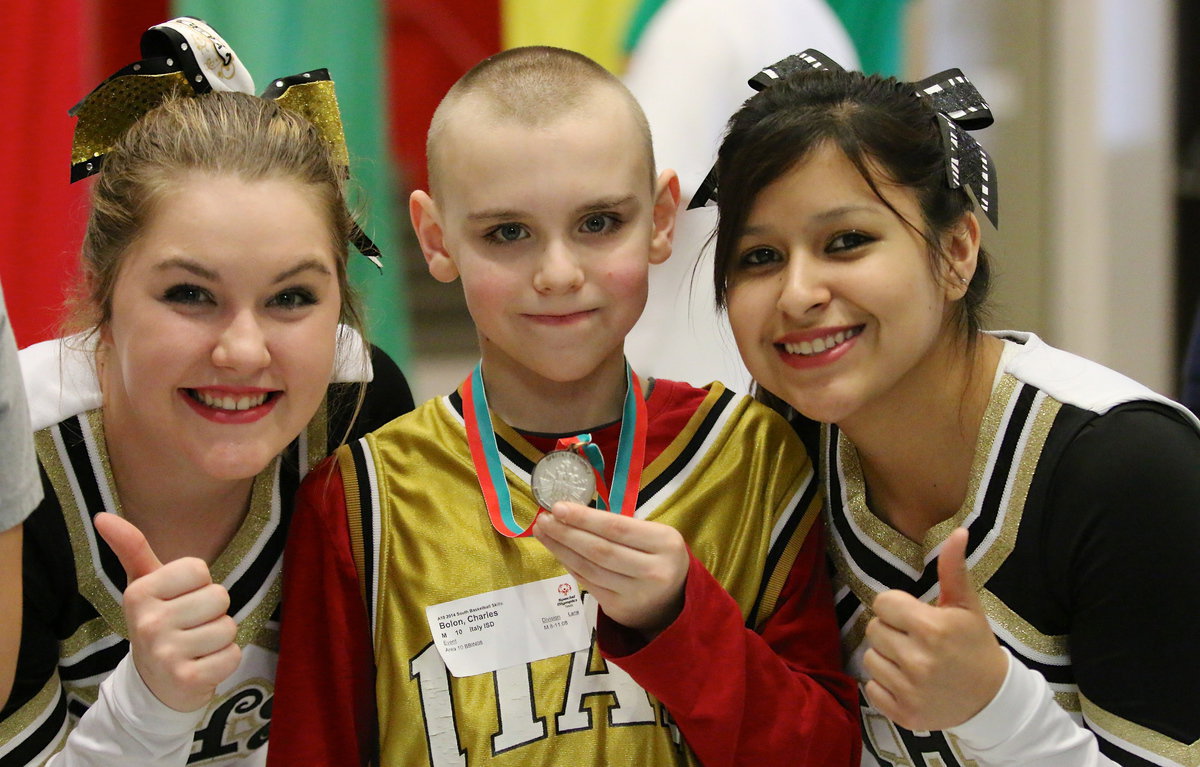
{"points": [[187, 56]]}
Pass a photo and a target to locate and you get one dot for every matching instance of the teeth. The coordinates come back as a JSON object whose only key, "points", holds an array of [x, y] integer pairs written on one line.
{"points": [[230, 403], [818, 345]]}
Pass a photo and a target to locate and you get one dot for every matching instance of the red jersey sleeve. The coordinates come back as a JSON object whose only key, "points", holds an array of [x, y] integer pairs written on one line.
{"points": [[741, 697], [324, 707]]}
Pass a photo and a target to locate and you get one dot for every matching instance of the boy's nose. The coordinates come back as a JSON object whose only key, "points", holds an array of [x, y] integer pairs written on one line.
{"points": [[558, 270], [242, 344]]}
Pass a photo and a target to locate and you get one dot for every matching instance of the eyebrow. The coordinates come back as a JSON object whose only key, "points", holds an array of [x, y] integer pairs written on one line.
{"points": [[827, 215], [604, 203], [494, 215], [187, 266], [310, 264]]}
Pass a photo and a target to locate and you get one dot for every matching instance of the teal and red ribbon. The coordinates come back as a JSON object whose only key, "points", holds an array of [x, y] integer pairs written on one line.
{"points": [[627, 471]]}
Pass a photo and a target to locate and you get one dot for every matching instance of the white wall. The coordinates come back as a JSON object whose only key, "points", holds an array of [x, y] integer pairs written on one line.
{"points": [[1082, 91], [1113, 184]]}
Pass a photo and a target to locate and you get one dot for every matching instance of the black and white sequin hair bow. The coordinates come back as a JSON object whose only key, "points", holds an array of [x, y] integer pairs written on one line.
{"points": [[959, 109], [187, 56]]}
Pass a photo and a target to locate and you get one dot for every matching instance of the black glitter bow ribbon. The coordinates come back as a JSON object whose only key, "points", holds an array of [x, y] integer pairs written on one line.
{"points": [[187, 54], [959, 109], [706, 193]]}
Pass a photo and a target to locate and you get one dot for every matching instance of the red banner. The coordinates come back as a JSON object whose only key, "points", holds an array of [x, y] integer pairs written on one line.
{"points": [[58, 51]]}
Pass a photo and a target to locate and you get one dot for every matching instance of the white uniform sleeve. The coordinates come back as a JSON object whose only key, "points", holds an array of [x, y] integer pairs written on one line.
{"points": [[1023, 725], [129, 727], [20, 483]]}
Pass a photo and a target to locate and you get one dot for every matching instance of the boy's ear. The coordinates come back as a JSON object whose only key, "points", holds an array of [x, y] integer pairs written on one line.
{"points": [[961, 246], [666, 205], [427, 223]]}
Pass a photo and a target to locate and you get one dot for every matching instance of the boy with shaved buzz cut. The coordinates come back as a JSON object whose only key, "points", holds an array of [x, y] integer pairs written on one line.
{"points": [[452, 601]]}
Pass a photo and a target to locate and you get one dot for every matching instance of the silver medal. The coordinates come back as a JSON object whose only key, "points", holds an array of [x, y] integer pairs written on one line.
{"points": [[563, 475]]}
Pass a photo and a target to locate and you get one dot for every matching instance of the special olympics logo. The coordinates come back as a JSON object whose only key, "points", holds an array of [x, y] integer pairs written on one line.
{"points": [[564, 588]]}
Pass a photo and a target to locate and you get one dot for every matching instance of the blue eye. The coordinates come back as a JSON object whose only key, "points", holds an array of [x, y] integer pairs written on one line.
{"points": [[187, 294], [848, 241], [600, 223], [505, 233], [293, 298]]}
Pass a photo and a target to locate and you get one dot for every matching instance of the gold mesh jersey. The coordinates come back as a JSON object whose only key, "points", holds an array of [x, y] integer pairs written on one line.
{"points": [[734, 480]]}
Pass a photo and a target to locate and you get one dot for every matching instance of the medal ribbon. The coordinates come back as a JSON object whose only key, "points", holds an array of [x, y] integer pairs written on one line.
{"points": [[627, 471], [582, 445]]}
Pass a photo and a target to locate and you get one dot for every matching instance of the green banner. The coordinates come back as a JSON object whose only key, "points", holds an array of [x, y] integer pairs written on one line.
{"points": [[275, 38], [877, 29]]}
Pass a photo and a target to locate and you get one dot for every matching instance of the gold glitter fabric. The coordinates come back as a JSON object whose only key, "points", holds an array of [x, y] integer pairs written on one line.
{"points": [[183, 55], [317, 102], [109, 111], [1140, 737], [119, 102], [32, 713]]}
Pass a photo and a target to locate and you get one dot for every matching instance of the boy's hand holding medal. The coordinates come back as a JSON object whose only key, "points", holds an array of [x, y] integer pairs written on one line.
{"points": [[634, 568]]}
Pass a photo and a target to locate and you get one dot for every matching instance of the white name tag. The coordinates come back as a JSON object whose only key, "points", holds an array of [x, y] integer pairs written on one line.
{"points": [[510, 627]]}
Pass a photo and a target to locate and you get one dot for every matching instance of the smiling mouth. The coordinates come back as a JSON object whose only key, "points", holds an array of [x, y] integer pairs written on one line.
{"points": [[231, 403], [559, 319], [821, 345]]}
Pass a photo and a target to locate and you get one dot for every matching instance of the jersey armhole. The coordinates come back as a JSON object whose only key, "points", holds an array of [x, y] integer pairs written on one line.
{"points": [[354, 520], [783, 566]]}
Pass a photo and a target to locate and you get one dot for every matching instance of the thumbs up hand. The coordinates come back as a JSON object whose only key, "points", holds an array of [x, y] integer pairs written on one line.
{"points": [[934, 667], [179, 634]]}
